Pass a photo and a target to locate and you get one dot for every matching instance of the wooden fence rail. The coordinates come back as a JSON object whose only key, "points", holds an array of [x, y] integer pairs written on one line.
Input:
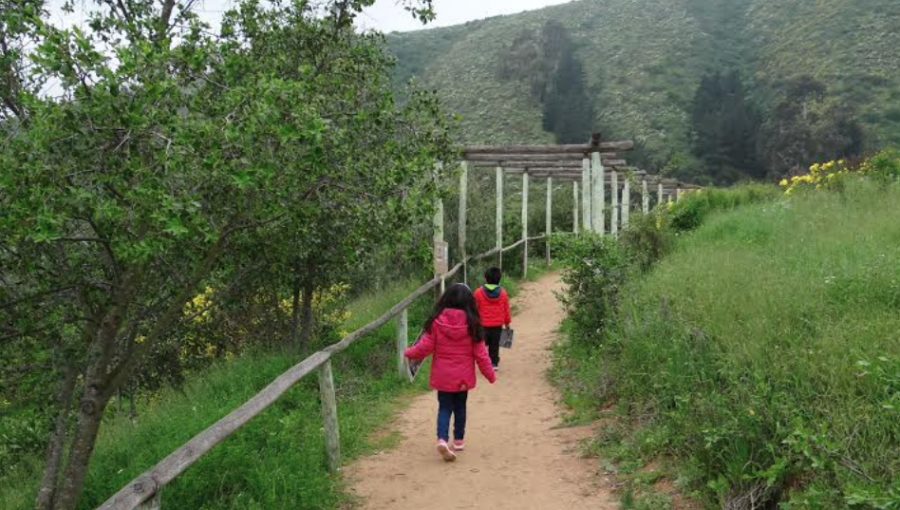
{"points": [[144, 491]]}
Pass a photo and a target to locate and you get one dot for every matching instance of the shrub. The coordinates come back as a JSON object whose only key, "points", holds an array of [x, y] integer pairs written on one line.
{"points": [[693, 208], [596, 268], [647, 239]]}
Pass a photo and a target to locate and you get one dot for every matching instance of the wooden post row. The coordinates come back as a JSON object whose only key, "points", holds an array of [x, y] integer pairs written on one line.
{"points": [[329, 415], [598, 216], [402, 341], [549, 227], [615, 204], [525, 224], [463, 206]]}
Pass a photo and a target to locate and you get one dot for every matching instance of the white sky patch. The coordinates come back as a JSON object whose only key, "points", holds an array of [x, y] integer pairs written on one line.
{"points": [[386, 15]]}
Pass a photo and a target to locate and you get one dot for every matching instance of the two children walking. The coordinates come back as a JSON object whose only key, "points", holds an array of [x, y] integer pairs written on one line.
{"points": [[455, 335]]}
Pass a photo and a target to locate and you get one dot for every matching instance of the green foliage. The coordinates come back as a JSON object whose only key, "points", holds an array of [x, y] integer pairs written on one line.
{"points": [[765, 349], [648, 238], [724, 128], [643, 63], [694, 208], [267, 156], [596, 268]]}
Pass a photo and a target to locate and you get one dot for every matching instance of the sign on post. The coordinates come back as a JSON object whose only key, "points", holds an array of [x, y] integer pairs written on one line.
{"points": [[441, 257]]}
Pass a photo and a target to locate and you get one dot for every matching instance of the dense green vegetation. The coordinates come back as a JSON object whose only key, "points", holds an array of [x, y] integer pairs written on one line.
{"points": [[643, 63], [173, 195], [278, 459], [759, 358]]}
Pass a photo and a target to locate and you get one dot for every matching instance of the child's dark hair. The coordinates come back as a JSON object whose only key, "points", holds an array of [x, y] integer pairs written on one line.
{"points": [[459, 297], [493, 275]]}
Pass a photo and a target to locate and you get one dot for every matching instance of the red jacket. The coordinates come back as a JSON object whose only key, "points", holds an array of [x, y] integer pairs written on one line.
{"points": [[455, 354], [493, 307]]}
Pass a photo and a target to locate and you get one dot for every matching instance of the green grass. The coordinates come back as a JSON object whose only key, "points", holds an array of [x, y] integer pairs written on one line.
{"points": [[779, 361], [277, 461]]}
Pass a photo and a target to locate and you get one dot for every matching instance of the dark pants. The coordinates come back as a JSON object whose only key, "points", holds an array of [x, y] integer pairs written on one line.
{"points": [[452, 403], [492, 339]]}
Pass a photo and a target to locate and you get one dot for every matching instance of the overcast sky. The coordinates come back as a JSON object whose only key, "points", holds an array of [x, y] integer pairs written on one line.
{"points": [[385, 15]]}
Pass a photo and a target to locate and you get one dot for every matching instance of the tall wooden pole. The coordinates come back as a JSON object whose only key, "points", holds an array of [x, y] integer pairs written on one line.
{"points": [[586, 199], [626, 202], [660, 194], [598, 185], [499, 218], [402, 341], [645, 196], [575, 197], [330, 417], [525, 224], [615, 204], [438, 222], [463, 209], [549, 227]]}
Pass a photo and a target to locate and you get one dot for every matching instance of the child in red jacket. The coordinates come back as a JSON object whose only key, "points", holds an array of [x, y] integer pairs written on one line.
{"points": [[493, 307], [453, 334]]}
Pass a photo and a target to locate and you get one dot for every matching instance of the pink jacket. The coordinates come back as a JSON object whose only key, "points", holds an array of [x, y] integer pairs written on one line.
{"points": [[455, 354]]}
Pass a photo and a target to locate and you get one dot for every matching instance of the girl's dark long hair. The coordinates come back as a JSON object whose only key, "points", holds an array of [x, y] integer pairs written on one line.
{"points": [[459, 297]]}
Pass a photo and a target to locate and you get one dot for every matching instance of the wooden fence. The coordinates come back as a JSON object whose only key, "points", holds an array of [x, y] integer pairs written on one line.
{"points": [[144, 492]]}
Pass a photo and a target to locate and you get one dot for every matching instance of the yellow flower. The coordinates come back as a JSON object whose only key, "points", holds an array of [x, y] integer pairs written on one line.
{"points": [[784, 182]]}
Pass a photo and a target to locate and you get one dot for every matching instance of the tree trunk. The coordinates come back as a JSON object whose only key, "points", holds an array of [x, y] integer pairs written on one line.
{"points": [[47, 493], [87, 427], [294, 338], [308, 318]]}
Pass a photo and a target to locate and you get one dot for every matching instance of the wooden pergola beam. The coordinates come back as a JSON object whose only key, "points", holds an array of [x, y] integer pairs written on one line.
{"points": [[576, 149]]}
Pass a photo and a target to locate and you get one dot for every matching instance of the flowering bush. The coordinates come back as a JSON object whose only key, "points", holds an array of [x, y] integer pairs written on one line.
{"points": [[821, 176], [883, 166]]}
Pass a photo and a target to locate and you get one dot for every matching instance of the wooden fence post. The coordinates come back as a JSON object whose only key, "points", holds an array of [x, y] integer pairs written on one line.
{"points": [[615, 204], [329, 416], [154, 503], [586, 200], [575, 226], [438, 221], [626, 202], [525, 224], [500, 213], [549, 228], [598, 190], [660, 194], [678, 194], [402, 341], [463, 205], [645, 196]]}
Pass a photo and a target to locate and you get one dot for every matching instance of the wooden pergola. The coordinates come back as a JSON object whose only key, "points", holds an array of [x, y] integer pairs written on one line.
{"points": [[592, 168]]}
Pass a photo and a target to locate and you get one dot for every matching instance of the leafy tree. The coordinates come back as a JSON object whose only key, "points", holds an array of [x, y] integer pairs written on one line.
{"points": [[808, 125], [568, 110], [724, 128], [169, 157]]}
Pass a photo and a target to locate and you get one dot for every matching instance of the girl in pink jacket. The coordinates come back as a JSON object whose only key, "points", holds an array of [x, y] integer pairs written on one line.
{"points": [[454, 335]]}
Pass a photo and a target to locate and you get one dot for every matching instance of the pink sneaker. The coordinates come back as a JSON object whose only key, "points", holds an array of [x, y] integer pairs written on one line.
{"points": [[444, 449], [459, 445]]}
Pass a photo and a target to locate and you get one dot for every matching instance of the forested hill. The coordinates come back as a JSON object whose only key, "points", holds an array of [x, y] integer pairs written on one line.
{"points": [[722, 88]]}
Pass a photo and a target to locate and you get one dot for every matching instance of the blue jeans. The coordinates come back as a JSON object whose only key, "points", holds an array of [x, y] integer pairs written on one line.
{"points": [[452, 403]]}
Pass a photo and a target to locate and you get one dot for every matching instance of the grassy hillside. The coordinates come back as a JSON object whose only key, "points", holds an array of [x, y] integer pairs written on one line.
{"points": [[643, 61], [763, 355]]}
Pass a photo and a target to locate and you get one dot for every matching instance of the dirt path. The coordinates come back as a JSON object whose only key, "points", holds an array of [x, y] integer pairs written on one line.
{"points": [[515, 458]]}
